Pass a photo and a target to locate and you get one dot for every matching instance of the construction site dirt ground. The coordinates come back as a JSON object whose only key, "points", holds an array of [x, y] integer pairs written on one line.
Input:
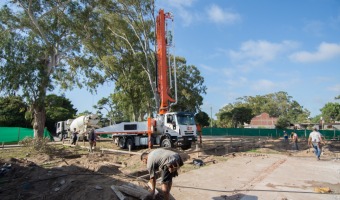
{"points": [[234, 168]]}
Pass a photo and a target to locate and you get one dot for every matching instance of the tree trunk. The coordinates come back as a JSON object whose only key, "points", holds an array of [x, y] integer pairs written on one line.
{"points": [[39, 103], [39, 121]]}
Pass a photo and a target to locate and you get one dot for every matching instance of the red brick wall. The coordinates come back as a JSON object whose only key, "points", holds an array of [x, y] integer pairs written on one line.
{"points": [[263, 120]]}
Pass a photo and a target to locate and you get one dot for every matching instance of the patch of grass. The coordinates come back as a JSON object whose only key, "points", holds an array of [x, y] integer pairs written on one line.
{"points": [[253, 151], [17, 152]]}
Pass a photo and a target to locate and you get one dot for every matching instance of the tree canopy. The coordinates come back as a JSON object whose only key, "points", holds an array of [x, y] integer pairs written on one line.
{"points": [[278, 104], [41, 47], [13, 112], [64, 44], [331, 112], [190, 85], [203, 119], [237, 116], [58, 108]]}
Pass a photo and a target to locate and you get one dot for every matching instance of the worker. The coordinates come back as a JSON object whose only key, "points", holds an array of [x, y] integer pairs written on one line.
{"points": [[285, 136], [168, 162], [315, 140], [199, 130], [74, 136], [92, 139], [295, 140]]}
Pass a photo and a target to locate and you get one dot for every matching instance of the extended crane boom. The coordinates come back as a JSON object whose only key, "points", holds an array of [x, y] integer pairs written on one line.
{"points": [[167, 129], [162, 66]]}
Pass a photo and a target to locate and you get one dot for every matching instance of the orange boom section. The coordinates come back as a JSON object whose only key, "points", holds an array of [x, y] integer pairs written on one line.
{"points": [[162, 66]]}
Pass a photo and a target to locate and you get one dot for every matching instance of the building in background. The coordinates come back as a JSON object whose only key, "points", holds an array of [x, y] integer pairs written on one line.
{"points": [[262, 121]]}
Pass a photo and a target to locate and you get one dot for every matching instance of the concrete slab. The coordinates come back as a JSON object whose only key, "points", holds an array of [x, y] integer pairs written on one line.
{"points": [[261, 177]]}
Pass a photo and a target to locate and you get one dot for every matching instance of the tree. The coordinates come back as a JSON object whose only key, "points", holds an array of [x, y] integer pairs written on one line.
{"points": [[190, 87], [124, 49], [275, 104], [238, 116], [41, 47], [282, 123], [58, 108], [13, 112], [128, 59], [331, 112], [202, 118]]}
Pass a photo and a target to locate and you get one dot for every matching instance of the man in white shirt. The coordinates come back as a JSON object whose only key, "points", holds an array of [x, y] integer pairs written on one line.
{"points": [[315, 141]]}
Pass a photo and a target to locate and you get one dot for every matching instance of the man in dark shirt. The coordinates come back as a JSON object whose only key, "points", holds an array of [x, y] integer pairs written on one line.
{"points": [[74, 136], [92, 139], [168, 162]]}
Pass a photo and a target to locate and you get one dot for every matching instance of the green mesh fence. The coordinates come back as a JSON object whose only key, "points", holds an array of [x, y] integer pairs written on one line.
{"points": [[275, 133], [16, 134]]}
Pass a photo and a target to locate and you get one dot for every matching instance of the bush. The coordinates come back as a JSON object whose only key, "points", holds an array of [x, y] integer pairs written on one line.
{"points": [[37, 144]]}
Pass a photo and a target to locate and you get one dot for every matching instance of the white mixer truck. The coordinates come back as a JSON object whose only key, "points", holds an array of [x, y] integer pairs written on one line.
{"points": [[82, 124]]}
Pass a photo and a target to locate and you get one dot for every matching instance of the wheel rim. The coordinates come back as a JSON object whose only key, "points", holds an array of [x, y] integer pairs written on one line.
{"points": [[166, 143], [121, 143]]}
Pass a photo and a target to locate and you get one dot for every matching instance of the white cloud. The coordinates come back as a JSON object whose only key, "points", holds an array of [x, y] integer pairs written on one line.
{"points": [[229, 72], [237, 82], [314, 28], [218, 15], [326, 51], [180, 3], [335, 88], [258, 52], [208, 68], [263, 85], [181, 7]]}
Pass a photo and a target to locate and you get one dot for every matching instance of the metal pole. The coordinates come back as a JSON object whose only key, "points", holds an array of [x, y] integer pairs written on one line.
{"points": [[19, 135], [211, 120]]}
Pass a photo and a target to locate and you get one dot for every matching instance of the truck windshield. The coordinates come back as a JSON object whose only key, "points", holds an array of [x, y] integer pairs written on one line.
{"points": [[186, 119]]}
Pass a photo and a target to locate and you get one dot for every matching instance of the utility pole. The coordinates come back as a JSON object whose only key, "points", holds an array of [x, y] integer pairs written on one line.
{"points": [[211, 120]]}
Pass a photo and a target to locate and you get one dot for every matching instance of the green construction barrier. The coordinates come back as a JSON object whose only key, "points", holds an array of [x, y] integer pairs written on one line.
{"points": [[16, 134], [274, 133]]}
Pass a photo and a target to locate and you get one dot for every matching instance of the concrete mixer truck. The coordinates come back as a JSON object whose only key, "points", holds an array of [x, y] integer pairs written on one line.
{"points": [[82, 124]]}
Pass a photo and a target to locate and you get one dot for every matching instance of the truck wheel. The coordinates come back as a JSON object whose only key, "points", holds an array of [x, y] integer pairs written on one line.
{"points": [[121, 143], [166, 143], [129, 141]]}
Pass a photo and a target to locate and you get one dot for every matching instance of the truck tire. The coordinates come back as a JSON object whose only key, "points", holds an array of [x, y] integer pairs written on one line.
{"points": [[121, 143], [129, 141], [166, 143]]}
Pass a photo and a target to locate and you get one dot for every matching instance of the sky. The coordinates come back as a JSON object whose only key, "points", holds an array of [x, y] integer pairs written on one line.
{"points": [[249, 48]]}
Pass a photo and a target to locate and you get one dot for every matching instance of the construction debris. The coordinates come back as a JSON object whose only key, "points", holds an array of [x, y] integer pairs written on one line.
{"points": [[198, 162], [322, 190]]}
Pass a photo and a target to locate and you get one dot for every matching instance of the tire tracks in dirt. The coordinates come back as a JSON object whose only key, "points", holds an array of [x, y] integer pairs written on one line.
{"points": [[263, 174]]}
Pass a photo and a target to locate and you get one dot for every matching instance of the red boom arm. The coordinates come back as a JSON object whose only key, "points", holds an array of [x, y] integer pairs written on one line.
{"points": [[162, 66]]}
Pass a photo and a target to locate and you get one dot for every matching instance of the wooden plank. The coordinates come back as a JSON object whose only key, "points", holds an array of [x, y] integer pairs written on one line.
{"points": [[121, 151], [134, 191], [118, 193]]}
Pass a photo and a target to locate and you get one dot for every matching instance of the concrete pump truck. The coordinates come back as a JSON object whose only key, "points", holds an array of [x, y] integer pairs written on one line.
{"points": [[167, 129]]}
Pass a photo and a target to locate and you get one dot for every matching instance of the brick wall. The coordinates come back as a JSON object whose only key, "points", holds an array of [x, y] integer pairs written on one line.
{"points": [[263, 120]]}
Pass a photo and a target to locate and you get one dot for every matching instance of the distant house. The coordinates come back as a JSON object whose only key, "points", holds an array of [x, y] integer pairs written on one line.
{"points": [[262, 121]]}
